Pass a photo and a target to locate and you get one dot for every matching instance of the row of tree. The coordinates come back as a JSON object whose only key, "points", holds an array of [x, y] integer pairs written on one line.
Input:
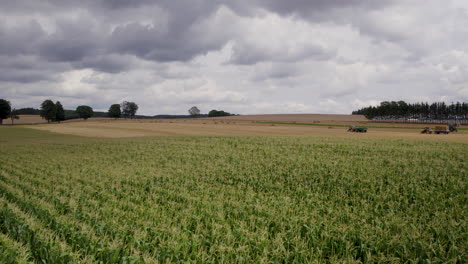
{"points": [[55, 112], [194, 111], [402, 109]]}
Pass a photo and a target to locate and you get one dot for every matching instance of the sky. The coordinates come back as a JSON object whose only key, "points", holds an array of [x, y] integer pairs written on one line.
{"points": [[243, 56]]}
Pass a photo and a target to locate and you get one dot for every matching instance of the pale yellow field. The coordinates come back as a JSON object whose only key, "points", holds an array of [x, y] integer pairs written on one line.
{"points": [[300, 118], [210, 127], [358, 120], [27, 119]]}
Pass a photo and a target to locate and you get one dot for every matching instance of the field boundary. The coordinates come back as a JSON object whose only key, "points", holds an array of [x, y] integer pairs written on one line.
{"points": [[336, 125], [421, 122]]}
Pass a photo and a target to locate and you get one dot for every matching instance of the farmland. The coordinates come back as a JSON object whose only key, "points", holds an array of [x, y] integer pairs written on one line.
{"points": [[222, 127], [27, 119], [260, 194]]}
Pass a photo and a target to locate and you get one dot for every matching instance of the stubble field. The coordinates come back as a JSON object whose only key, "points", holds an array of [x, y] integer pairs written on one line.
{"points": [[109, 128], [235, 198], [26, 119]]}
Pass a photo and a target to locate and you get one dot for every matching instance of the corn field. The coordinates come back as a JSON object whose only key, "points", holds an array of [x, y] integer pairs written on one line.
{"points": [[236, 199]]}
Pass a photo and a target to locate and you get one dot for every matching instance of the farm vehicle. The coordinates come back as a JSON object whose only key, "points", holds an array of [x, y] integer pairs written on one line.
{"points": [[426, 130], [442, 129], [453, 127], [357, 129]]}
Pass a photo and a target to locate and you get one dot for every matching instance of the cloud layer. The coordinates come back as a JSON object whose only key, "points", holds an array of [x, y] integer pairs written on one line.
{"points": [[257, 56]]}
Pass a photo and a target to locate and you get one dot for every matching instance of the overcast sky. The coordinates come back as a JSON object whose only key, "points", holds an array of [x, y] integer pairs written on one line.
{"points": [[242, 56]]}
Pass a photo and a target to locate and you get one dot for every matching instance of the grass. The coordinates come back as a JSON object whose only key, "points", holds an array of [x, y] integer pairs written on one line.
{"points": [[337, 125], [231, 199]]}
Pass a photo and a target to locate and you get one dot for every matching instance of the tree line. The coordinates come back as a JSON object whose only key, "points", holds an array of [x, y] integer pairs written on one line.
{"points": [[54, 112], [194, 111], [402, 109]]}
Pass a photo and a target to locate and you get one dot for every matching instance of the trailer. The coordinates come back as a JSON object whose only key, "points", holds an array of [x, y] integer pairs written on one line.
{"points": [[442, 129]]}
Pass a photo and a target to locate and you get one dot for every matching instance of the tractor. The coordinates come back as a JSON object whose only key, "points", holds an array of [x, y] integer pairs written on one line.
{"points": [[453, 127], [426, 130], [441, 129], [357, 129]]}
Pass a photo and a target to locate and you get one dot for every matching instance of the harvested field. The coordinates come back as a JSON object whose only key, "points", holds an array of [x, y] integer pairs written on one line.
{"points": [[36, 119], [214, 127], [89, 119], [27, 119], [301, 118]]}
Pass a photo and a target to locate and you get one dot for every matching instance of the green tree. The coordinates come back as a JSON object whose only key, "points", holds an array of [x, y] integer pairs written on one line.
{"points": [[48, 110], [114, 111], [401, 109], [194, 111], [60, 112], [5, 110], [129, 109], [14, 115], [215, 113], [84, 111]]}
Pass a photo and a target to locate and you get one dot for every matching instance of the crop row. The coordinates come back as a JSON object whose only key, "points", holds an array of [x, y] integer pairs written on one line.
{"points": [[240, 199], [12, 251]]}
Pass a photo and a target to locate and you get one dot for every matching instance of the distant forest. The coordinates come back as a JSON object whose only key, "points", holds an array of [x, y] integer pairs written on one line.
{"points": [[402, 109]]}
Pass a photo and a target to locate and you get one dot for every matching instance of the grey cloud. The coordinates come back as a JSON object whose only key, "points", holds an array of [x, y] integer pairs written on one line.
{"points": [[327, 10], [30, 76], [181, 39], [111, 63], [28, 69], [329, 52], [247, 54], [20, 6], [19, 39], [72, 41]]}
